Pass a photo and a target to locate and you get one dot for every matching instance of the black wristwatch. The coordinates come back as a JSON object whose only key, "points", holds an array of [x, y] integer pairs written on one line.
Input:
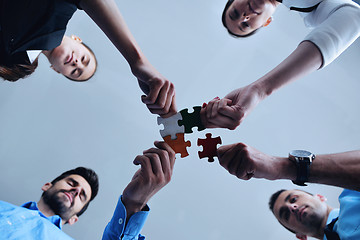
{"points": [[302, 160]]}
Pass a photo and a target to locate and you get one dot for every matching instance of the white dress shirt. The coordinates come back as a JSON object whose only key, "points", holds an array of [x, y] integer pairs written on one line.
{"points": [[33, 54]]}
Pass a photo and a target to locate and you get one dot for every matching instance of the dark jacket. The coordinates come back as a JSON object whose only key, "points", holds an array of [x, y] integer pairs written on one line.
{"points": [[32, 25]]}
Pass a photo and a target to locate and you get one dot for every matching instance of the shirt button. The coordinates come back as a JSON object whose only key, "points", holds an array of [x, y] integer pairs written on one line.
{"points": [[23, 217], [9, 222], [12, 40], [121, 221]]}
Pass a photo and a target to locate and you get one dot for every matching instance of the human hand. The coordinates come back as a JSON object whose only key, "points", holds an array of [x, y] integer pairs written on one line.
{"points": [[156, 170], [246, 162], [160, 92], [230, 111]]}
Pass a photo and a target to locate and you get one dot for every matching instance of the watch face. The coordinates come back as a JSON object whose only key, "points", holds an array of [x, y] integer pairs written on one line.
{"points": [[301, 153]]}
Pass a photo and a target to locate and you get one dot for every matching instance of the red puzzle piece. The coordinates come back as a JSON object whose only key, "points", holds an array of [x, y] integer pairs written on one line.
{"points": [[209, 147], [178, 145]]}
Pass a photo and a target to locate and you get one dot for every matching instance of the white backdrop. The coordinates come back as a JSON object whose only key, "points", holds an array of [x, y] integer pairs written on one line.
{"points": [[49, 124]]}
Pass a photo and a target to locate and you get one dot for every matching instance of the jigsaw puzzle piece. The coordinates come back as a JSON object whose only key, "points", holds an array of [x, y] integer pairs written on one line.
{"points": [[171, 126], [178, 145], [190, 120], [209, 147]]}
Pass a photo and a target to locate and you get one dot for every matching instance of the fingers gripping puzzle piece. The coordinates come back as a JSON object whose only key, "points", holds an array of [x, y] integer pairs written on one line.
{"points": [[190, 120], [178, 145], [171, 126], [209, 147]]}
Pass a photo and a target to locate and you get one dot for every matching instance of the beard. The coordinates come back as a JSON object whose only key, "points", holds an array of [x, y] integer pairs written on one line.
{"points": [[56, 202], [313, 221]]}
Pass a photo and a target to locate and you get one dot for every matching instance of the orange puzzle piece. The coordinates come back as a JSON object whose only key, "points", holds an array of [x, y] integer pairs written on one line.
{"points": [[178, 145]]}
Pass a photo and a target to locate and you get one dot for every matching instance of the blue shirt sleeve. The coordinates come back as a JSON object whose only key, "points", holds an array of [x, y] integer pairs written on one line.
{"points": [[116, 228], [348, 224]]}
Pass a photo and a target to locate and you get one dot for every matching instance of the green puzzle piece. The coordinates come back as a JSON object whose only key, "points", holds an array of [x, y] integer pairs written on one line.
{"points": [[190, 120]]}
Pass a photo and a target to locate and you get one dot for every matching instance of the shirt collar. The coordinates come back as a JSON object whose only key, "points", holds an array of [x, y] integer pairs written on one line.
{"points": [[33, 55], [56, 219], [332, 215]]}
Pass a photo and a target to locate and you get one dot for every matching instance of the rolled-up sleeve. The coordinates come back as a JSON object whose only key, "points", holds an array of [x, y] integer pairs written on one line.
{"points": [[116, 228], [336, 32]]}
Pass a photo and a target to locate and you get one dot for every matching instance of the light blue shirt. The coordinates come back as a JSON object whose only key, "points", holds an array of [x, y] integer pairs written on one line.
{"points": [[28, 223], [348, 224], [115, 228]]}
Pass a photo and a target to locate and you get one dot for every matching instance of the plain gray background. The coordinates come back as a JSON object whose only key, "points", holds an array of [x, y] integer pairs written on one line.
{"points": [[49, 124]]}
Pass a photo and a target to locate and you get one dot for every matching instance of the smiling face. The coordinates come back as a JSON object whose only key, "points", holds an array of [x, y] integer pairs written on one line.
{"points": [[67, 196], [301, 212], [72, 59], [245, 16]]}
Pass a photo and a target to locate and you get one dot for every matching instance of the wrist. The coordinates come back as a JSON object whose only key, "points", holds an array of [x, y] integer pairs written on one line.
{"points": [[268, 84], [287, 169], [303, 160], [137, 62], [260, 88], [131, 205]]}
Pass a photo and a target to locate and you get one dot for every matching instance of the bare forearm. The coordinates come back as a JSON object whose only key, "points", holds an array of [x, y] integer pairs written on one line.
{"points": [[229, 114], [305, 59], [107, 16], [340, 169]]}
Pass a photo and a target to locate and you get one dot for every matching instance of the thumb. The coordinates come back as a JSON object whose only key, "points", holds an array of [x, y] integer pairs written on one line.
{"points": [[234, 112], [137, 161], [144, 98], [222, 150], [144, 87], [228, 101]]}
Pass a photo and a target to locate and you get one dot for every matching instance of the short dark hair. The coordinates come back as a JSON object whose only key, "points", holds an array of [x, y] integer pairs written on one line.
{"points": [[89, 175], [273, 199], [223, 19], [17, 71], [96, 65]]}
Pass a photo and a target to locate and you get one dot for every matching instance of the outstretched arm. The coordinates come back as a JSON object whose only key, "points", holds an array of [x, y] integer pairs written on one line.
{"points": [[336, 27], [230, 111], [245, 162], [131, 211], [160, 92], [156, 170]]}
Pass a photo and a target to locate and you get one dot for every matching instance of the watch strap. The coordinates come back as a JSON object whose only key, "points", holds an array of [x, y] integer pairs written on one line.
{"points": [[302, 173], [303, 164]]}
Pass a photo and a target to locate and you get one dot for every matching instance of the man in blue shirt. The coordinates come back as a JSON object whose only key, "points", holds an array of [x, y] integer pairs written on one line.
{"points": [[300, 212], [68, 196], [131, 211], [308, 215], [63, 200]]}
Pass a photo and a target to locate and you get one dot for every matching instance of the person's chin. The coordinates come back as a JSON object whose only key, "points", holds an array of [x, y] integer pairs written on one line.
{"points": [[66, 200], [58, 53]]}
